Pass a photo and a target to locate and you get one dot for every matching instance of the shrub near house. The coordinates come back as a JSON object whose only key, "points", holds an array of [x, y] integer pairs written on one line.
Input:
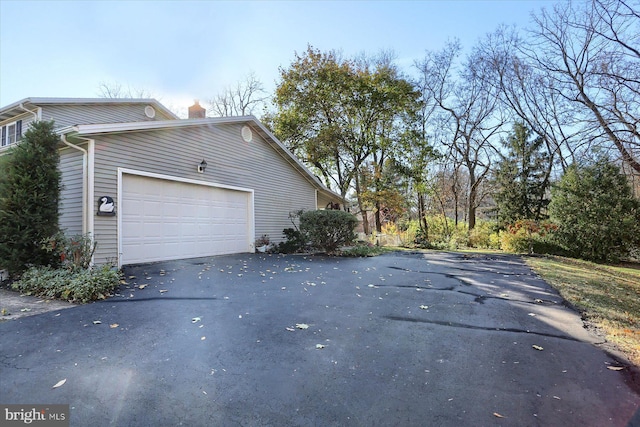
{"points": [[328, 230], [31, 247], [29, 194], [74, 280], [324, 230]]}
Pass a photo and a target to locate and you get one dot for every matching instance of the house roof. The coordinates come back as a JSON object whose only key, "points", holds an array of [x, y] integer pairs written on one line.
{"points": [[88, 130], [32, 103]]}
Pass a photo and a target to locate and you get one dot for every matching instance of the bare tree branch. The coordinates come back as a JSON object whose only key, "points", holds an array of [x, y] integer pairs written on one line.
{"points": [[469, 113], [242, 99], [115, 90], [587, 52]]}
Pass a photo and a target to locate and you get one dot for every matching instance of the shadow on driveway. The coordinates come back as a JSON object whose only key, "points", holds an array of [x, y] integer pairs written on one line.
{"points": [[253, 339]]}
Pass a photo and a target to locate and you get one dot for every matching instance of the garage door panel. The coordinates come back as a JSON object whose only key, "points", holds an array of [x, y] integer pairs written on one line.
{"points": [[151, 230], [164, 219]]}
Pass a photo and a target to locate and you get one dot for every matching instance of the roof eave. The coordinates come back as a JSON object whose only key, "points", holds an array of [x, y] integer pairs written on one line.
{"points": [[33, 102], [98, 129], [269, 136]]}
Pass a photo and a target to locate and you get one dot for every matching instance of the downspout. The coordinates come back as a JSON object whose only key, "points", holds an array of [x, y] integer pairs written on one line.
{"points": [[35, 115], [85, 202]]}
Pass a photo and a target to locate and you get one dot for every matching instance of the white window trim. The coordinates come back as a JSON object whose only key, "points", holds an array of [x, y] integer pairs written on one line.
{"points": [[5, 129]]}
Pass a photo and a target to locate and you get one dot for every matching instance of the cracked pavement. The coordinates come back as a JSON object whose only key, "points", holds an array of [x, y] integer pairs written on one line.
{"points": [[401, 339]]}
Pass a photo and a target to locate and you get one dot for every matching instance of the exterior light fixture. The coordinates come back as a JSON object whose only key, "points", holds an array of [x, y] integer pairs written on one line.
{"points": [[202, 166]]}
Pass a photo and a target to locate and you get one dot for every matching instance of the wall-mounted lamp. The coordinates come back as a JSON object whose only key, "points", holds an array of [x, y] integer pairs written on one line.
{"points": [[202, 166]]}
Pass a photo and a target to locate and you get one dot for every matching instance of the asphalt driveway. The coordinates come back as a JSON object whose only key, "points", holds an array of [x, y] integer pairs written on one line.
{"points": [[405, 339]]}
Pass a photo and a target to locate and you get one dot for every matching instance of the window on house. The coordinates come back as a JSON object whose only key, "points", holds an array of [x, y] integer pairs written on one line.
{"points": [[11, 133]]}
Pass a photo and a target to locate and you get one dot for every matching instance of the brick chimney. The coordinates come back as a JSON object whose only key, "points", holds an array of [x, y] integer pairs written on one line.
{"points": [[196, 111]]}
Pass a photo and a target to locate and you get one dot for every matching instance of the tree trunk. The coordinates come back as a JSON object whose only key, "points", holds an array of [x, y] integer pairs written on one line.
{"points": [[422, 213], [377, 218], [472, 210], [454, 190], [473, 193], [363, 212]]}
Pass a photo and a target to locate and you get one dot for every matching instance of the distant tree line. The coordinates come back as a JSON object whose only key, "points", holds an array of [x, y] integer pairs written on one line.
{"points": [[486, 133], [482, 133]]}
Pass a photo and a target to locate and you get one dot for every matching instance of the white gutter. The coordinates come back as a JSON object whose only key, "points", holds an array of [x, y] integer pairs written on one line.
{"points": [[85, 174], [35, 115]]}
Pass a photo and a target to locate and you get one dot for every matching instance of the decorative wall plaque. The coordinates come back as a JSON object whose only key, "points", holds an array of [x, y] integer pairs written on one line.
{"points": [[106, 206]]}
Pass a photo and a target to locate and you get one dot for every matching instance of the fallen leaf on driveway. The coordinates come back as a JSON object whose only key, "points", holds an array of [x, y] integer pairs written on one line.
{"points": [[25, 309], [143, 286], [290, 329], [162, 291], [615, 368], [60, 383], [113, 325], [424, 307], [537, 347], [320, 346], [497, 415], [302, 326], [203, 338], [195, 320], [97, 322]]}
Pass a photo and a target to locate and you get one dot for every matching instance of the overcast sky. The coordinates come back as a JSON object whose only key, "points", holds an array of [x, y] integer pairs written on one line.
{"points": [[185, 50]]}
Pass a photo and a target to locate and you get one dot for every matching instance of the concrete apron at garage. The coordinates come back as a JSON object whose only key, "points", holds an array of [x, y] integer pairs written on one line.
{"points": [[13, 305], [253, 339]]}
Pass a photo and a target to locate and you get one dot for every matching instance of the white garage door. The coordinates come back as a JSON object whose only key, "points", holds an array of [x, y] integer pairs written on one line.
{"points": [[163, 219]]}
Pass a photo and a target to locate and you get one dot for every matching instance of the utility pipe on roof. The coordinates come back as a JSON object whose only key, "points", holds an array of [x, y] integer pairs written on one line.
{"points": [[85, 202]]}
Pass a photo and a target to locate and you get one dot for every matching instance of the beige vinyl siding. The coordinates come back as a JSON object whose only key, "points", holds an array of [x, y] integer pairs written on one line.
{"points": [[71, 194], [27, 120], [324, 200], [278, 187], [82, 114]]}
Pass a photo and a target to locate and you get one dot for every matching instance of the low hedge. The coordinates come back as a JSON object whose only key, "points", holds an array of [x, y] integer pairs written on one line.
{"points": [[327, 230], [76, 285]]}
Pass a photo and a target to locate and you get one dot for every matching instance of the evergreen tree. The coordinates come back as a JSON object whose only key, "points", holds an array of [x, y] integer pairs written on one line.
{"points": [[29, 195], [598, 217], [522, 178]]}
